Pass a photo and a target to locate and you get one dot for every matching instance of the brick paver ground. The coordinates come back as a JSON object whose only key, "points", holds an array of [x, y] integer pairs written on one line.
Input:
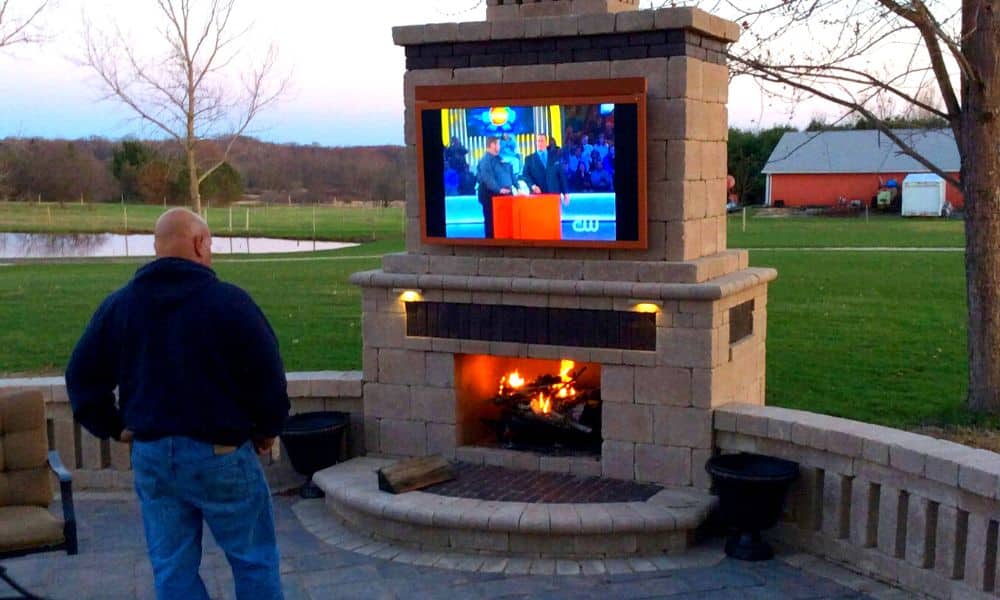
{"points": [[112, 565]]}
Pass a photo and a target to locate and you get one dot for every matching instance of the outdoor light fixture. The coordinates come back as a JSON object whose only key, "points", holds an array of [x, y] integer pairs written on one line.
{"points": [[646, 306], [408, 295]]}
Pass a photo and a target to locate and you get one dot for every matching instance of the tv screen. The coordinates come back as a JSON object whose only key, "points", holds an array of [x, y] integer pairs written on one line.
{"points": [[534, 164]]}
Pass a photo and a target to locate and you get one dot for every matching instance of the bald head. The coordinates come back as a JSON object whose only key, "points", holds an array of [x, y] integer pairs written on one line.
{"points": [[180, 233]]}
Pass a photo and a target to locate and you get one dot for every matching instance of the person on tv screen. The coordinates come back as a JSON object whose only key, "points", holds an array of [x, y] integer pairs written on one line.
{"points": [[581, 178], [454, 155], [543, 170], [509, 152], [495, 179], [601, 147], [600, 180], [587, 147]]}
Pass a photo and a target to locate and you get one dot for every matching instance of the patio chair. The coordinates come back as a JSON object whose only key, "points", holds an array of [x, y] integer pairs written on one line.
{"points": [[26, 525]]}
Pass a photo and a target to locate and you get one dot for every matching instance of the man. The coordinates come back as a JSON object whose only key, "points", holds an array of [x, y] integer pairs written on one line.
{"points": [[600, 180], [543, 170], [601, 147], [509, 152], [495, 179], [200, 387], [588, 148]]}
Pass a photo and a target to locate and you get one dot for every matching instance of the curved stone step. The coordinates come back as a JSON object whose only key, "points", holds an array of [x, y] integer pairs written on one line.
{"points": [[663, 524]]}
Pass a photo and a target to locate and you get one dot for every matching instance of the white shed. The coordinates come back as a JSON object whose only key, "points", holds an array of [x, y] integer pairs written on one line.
{"points": [[923, 195]]}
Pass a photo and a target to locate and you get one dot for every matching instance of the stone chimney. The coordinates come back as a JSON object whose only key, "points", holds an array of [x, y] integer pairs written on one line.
{"points": [[499, 10]]}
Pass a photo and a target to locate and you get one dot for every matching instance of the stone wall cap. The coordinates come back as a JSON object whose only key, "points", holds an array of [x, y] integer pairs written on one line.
{"points": [[323, 376], [31, 382], [692, 19], [713, 289], [964, 456]]}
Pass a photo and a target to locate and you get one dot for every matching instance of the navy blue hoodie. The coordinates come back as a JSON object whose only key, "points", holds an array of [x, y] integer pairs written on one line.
{"points": [[190, 355]]}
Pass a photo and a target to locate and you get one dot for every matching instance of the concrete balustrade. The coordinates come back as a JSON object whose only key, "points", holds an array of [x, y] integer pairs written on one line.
{"points": [[106, 465], [918, 512]]}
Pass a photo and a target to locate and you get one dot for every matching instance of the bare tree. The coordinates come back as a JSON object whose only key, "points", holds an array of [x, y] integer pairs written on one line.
{"points": [[859, 53], [190, 91], [18, 24]]}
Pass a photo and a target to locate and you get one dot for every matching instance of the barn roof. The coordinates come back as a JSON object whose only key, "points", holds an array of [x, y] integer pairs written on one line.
{"points": [[861, 151]]}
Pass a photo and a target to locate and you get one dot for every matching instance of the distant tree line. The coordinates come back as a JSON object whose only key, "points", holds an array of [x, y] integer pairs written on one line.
{"points": [[152, 172], [99, 170]]}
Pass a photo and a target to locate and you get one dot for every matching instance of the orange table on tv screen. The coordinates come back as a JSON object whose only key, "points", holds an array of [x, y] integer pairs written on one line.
{"points": [[535, 217]]}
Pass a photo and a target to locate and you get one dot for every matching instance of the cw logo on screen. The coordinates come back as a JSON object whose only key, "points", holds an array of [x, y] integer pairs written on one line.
{"points": [[586, 225]]}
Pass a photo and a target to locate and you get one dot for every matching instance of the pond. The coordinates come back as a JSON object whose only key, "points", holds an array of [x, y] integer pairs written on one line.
{"points": [[107, 245]]}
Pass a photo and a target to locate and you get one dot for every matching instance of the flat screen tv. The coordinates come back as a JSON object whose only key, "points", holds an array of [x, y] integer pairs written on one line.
{"points": [[533, 164]]}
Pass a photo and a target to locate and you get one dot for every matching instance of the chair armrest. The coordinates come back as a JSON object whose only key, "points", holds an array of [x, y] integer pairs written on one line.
{"points": [[66, 492], [56, 464]]}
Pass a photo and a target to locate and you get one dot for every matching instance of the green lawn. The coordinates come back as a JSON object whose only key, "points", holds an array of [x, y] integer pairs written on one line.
{"points": [[314, 312], [854, 232], [875, 336], [332, 223]]}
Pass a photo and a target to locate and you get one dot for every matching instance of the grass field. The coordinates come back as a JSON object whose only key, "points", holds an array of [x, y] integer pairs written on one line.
{"points": [[853, 232], [332, 223], [874, 336]]}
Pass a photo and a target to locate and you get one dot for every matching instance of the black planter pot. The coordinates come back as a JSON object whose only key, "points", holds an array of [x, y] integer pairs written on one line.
{"points": [[751, 489], [314, 441]]}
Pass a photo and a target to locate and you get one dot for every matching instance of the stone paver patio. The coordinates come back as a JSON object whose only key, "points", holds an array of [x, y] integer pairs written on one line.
{"points": [[112, 564]]}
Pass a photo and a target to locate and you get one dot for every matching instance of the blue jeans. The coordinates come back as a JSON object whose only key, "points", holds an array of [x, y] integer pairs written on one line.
{"points": [[182, 483]]}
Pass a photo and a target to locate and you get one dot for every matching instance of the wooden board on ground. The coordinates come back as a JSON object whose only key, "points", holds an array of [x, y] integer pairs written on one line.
{"points": [[414, 474]]}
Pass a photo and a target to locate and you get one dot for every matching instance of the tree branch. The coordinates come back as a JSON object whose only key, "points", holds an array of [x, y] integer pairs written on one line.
{"points": [[774, 74]]}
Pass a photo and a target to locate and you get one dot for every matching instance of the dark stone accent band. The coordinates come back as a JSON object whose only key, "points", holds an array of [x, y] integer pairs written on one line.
{"points": [[740, 321], [532, 325], [559, 50]]}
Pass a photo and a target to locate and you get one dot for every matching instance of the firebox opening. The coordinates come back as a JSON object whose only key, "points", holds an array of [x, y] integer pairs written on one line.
{"points": [[535, 405]]}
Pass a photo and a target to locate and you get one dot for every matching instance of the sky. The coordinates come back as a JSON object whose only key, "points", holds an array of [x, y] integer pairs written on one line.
{"points": [[346, 75]]}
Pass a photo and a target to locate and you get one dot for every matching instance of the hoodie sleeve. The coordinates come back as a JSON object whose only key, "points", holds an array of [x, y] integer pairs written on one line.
{"points": [[91, 376], [263, 372]]}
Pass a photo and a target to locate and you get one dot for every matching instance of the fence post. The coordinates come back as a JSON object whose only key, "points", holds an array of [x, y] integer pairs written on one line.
{"points": [[125, 217], [230, 218], [248, 219], [744, 219]]}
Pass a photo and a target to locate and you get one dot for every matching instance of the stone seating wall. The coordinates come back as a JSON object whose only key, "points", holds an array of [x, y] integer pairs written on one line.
{"points": [[912, 510], [105, 465]]}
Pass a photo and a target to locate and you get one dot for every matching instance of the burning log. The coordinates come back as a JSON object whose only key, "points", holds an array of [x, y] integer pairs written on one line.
{"points": [[549, 400]]}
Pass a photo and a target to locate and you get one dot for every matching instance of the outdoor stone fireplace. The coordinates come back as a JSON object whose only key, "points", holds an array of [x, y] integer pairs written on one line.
{"points": [[666, 333]]}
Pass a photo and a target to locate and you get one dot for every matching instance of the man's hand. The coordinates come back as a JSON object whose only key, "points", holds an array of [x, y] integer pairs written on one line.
{"points": [[505, 191], [126, 436], [536, 190], [565, 199], [263, 444]]}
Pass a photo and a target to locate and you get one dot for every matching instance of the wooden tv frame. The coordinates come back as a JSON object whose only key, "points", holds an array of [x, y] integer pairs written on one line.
{"points": [[630, 90]]}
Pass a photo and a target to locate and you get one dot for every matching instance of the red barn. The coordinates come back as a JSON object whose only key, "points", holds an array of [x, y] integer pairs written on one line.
{"points": [[816, 168]]}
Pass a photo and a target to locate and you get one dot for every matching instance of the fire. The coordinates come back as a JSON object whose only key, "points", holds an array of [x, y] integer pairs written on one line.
{"points": [[565, 368], [563, 390], [516, 380], [541, 404], [511, 380]]}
